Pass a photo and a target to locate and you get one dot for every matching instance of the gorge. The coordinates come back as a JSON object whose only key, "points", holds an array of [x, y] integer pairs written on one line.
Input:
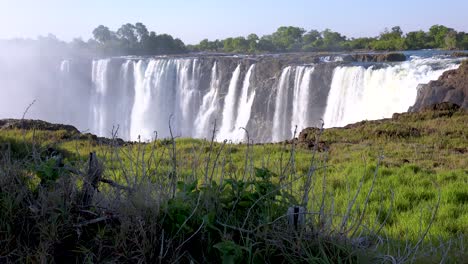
{"points": [[273, 97]]}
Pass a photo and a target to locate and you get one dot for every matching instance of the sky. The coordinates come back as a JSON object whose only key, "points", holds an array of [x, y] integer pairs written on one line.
{"points": [[194, 20]]}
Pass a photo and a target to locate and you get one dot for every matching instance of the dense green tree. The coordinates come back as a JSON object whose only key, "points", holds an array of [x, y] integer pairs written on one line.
{"points": [[137, 39], [359, 43], [141, 32], [228, 45], [462, 40], [450, 40], [312, 40], [266, 44], [390, 40], [311, 37], [127, 36], [240, 44], [252, 40], [287, 38], [437, 35], [102, 34], [417, 40], [332, 40]]}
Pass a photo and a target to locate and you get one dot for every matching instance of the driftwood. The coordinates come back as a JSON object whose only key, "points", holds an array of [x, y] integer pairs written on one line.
{"points": [[91, 180]]}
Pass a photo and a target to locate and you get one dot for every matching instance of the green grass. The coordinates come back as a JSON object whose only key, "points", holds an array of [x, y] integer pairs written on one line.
{"points": [[412, 172]]}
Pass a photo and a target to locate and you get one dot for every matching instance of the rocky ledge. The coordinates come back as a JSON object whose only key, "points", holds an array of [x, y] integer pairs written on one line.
{"points": [[451, 87], [400, 125], [27, 124], [70, 132], [378, 57], [460, 54]]}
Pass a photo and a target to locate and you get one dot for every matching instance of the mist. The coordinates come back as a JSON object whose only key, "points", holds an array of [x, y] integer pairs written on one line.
{"points": [[29, 76]]}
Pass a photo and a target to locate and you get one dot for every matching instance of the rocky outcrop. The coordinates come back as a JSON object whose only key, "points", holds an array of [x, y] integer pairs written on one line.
{"points": [[459, 54], [71, 132], [451, 87], [399, 126], [378, 57], [27, 124]]}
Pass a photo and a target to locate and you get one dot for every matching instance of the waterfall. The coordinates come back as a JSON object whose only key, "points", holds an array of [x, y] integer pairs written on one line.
{"points": [[280, 127], [124, 100], [244, 109], [301, 99], [293, 112], [187, 94], [65, 67], [154, 98], [209, 106], [99, 106], [140, 95], [228, 120], [358, 93]]}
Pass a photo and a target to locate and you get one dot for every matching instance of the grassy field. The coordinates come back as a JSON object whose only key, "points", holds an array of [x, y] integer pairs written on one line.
{"points": [[389, 191]]}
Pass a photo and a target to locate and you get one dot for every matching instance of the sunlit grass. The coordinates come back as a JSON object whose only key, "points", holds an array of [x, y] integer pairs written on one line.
{"points": [[418, 158]]}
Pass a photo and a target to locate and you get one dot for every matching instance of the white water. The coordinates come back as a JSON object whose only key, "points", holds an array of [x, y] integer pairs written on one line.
{"points": [[123, 101], [99, 107], [244, 108], [187, 96], [142, 76], [229, 106], [280, 128], [65, 67], [359, 94], [209, 106], [301, 99], [284, 120], [140, 95]]}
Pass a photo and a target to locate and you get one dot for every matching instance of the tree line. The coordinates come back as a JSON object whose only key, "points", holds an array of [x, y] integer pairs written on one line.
{"points": [[295, 39], [136, 39]]}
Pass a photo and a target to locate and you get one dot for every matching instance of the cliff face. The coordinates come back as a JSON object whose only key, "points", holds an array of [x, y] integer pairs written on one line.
{"points": [[451, 87]]}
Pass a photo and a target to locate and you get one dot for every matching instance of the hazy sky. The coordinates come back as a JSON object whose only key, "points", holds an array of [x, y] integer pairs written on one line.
{"points": [[194, 20]]}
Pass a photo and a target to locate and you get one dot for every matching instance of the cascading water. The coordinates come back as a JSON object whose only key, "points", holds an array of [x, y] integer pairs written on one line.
{"points": [[244, 109], [124, 100], [142, 73], [141, 95], [228, 120], [280, 127], [301, 99], [285, 120], [65, 67], [358, 93], [209, 106], [101, 105], [154, 98]]}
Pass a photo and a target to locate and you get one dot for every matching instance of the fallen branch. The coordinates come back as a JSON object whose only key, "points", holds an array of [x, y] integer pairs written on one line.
{"points": [[116, 185], [94, 221]]}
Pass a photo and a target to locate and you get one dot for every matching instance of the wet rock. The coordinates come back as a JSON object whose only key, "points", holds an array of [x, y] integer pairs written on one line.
{"points": [[460, 54], [378, 57], [451, 87]]}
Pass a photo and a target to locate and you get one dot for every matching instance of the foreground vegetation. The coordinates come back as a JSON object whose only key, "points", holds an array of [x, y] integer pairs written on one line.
{"points": [[390, 191]]}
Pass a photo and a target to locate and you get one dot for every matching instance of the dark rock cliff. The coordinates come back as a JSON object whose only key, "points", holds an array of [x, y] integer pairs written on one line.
{"points": [[451, 87]]}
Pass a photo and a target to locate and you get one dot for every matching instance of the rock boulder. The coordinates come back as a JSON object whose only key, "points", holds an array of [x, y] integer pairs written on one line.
{"points": [[451, 87]]}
